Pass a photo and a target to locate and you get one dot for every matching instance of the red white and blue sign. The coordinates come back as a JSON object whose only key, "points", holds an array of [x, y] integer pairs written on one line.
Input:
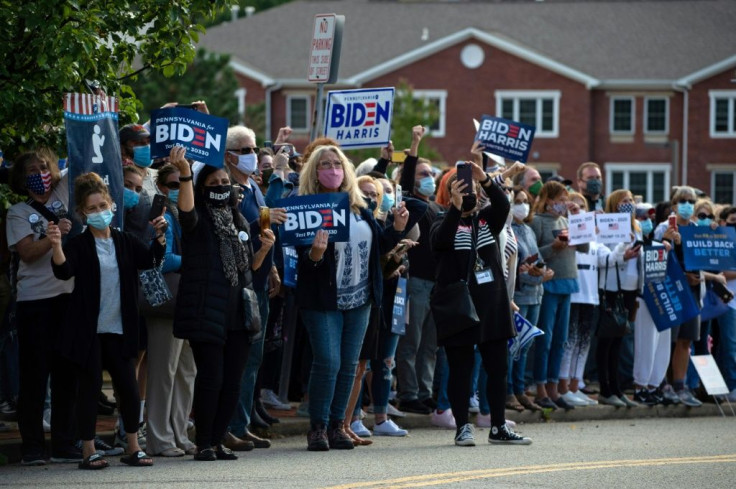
{"points": [[670, 301], [306, 214], [504, 137], [202, 135], [360, 118]]}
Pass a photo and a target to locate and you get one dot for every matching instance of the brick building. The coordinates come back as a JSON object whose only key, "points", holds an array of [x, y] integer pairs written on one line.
{"points": [[647, 89]]}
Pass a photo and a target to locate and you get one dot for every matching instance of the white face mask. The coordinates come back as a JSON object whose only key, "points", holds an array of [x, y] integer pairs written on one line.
{"points": [[247, 163], [520, 211]]}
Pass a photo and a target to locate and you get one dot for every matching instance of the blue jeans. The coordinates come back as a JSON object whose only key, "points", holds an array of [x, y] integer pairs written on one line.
{"points": [[241, 417], [515, 383], [336, 338], [381, 381], [726, 352], [554, 320]]}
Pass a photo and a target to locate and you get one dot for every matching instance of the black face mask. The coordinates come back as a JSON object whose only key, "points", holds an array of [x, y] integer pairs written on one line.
{"points": [[469, 202], [372, 204], [266, 175], [732, 224], [217, 195]]}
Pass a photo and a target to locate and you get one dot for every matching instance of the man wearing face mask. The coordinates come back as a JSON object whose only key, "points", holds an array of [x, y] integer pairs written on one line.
{"points": [[531, 181], [590, 184], [416, 353], [135, 147]]}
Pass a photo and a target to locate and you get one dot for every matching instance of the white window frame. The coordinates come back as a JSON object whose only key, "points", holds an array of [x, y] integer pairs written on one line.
{"points": [[713, 175], [650, 168], [666, 115], [539, 95], [440, 95], [289, 122], [721, 94], [613, 100]]}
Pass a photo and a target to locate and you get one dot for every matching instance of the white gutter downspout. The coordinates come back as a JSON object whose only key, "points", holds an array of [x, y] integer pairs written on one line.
{"points": [[269, 91], [685, 131]]}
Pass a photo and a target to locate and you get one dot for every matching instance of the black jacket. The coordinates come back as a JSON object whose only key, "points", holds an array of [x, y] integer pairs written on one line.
{"points": [[80, 324], [207, 304]]}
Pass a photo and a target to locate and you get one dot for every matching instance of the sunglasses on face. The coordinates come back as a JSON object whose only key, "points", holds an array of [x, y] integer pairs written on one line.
{"points": [[245, 151], [686, 201], [703, 215], [172, 185]]}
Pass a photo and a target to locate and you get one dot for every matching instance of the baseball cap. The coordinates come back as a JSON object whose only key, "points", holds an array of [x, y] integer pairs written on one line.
{"points": [[644, 210], [560, 179], [133, 132]]}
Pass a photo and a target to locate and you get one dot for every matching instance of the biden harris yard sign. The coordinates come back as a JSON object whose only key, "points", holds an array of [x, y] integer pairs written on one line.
{"points": [[202, 135], [360, 118], [505, 137]]}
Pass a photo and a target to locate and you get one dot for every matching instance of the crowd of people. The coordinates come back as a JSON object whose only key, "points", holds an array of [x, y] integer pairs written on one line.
{"points": [[493, 237]]}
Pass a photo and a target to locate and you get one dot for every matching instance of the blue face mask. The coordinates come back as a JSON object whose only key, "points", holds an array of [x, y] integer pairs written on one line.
{"points": [[593, 186], [142, 156], [704, 222], [685, 210], [100, 220], [646, 227], [130, 199], [387, 202], [174, 196], [627, 208], [426, 186]]}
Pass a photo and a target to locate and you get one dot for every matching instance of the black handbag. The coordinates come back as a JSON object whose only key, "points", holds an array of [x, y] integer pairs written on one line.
{"points": [[452, 306], [252, 312], [613, 320]]}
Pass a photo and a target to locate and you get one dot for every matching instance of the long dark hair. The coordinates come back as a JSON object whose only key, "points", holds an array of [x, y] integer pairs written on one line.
{"points": [[199, 192]]}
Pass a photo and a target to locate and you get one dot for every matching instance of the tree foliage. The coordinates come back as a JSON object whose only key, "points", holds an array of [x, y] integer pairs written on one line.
{"points": [[51, 47]]}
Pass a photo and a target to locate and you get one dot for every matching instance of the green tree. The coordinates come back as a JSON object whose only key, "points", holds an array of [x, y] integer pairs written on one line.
{"points": [[51, 47], [209, 78]]}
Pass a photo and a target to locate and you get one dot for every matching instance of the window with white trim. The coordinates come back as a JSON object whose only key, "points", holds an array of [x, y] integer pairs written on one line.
{"points": [[650, 180], [723, 186], [297, 112], [438, 99], [656, 115], [622, 115], [722, 113], [538, 108]]}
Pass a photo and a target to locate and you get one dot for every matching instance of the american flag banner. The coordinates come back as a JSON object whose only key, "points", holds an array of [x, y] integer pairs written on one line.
{"points": [[93, 145]]}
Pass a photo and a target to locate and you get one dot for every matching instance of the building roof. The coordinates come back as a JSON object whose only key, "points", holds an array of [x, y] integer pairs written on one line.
{"points": [[597, 42]]}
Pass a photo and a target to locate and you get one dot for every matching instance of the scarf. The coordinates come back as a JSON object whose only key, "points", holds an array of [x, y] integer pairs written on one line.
{"points": [[232, 251]]}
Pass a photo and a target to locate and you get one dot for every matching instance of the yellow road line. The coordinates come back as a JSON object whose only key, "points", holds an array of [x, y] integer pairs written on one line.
{"points": [[436, 479]]}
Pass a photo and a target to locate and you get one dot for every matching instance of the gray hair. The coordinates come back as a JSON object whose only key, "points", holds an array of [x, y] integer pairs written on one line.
{"points": [[235, 134]]}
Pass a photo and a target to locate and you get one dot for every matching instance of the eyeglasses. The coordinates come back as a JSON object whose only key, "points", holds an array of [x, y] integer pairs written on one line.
{"points": [[686, 201], [245, 151], [330, 164], [371, 195], [172, 185], [703, 215]]}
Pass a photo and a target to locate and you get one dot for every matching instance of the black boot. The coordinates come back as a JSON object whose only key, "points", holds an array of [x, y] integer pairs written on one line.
{"points": [[256, 421], [260, 409]]}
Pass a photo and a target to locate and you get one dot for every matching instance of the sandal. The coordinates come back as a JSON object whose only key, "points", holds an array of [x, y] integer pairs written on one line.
{"points": [[512, 403], [525, 401], [137, 459], [93, 462], [357, 441]]}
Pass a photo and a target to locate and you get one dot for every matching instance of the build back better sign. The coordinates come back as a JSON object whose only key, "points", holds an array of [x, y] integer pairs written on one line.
{"points": [[704, 248]]}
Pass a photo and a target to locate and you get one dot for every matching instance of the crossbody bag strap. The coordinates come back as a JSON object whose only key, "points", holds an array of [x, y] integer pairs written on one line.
{"points": [[43, 210], [473, 252]]}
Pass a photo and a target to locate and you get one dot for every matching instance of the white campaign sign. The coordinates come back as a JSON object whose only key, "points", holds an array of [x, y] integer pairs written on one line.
{"points": [[320, 50], [614, 228], [582, 228], [709, 374], [360, 118]]}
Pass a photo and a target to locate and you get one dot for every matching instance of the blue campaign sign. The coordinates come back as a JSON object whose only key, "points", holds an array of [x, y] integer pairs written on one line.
{"points": [[93, 145], [398, 317], [655, 263], [525, 332], [708, 249], [203, 135], [504, 137], [670, 301], [306, 214], [290, 266], [360, 118]]}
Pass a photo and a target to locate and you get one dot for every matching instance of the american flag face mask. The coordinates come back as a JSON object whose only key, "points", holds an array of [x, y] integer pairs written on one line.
{"points": [[39, 183]]}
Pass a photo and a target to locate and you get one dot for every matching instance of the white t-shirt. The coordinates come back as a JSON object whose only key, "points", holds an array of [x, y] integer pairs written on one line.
{"points": [[588, 265], [353, 263], [36, 280]]}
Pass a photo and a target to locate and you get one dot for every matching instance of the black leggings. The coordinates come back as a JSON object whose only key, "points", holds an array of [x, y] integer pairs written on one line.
{"points": [[461, 360], [608, 350], [217, 385], [107, 354]]}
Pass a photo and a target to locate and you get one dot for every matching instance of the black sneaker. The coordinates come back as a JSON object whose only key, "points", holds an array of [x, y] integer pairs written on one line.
{"points": [[206, 455], [657, 395], [503, 435], [414, 406], [337, 438], [561, 402], [317, 439], [68, 455], [430, 403], [645, 397]]}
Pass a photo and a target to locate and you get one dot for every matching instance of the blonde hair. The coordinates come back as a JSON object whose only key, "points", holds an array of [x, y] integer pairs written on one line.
{"points": [[309, 185], [379, 190], [550, 191], [705, 202], [575, 195], [615, 199]]}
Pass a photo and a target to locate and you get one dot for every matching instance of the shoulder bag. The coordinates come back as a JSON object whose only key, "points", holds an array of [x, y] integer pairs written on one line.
{"points": [[613, 320]]}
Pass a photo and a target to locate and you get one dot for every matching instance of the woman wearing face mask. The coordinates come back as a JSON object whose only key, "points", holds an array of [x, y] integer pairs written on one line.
{"points": [[171, 370], [41, 303], [132, 187], [101, 324], [338, 283], [466, 242], [550, 228], [217, 264]]}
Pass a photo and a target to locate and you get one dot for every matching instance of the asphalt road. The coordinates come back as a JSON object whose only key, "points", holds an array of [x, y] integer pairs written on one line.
{"points": [[616, 454]]}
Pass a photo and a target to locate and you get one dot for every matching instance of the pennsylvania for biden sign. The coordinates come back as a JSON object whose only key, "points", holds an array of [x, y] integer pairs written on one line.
{"points": [[506, 138], [202, 135], [360, 118], [306, 214]]}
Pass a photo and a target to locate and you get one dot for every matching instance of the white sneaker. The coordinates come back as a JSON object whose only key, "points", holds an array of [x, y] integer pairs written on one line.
{"points": [[474, 405], [466, 437], [388, 428], [392, 411], [573, 399], [359, 429], [483, 420], [270, 399], [445, 419], [583, 397]]}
